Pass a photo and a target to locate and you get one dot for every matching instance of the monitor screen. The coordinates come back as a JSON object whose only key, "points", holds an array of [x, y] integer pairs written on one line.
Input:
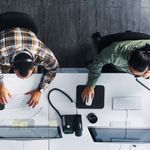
{"points": [[30, 132], [120, 134]]}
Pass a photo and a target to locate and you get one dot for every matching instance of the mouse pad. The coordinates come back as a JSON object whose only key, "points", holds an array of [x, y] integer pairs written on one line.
{"points": [[98, 101]]}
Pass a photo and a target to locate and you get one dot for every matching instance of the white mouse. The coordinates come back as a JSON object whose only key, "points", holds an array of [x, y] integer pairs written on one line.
{"points": [[89, 101]]}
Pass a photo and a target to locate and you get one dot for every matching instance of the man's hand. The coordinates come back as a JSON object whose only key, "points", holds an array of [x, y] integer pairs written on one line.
{"points": [[35, 97], [87, 93], [4, 94], [147, 74]]}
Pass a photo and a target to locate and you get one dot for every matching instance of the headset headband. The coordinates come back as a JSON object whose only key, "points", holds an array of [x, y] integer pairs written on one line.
{"points": [[22, 60]]}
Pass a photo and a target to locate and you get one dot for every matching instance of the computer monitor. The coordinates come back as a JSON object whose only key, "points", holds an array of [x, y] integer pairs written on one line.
{"points": [[29, 133], [137, 135]]}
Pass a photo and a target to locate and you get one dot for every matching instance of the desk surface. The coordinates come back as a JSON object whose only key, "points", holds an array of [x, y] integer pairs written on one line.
{"points": [[115, 85]]}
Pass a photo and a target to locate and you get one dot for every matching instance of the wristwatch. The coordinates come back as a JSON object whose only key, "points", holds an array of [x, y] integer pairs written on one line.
{"points": [[41, 90]]}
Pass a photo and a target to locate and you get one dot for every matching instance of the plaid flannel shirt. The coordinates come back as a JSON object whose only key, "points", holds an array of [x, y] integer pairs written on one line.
{"points": [[16, 39]]}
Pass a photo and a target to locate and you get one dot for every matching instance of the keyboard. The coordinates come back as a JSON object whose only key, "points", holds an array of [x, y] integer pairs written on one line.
{"points": [[127, 103], [17, 101]]}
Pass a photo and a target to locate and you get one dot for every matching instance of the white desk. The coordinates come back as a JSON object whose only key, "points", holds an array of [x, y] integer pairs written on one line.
{"points": [[39, 114], [115, 85]]}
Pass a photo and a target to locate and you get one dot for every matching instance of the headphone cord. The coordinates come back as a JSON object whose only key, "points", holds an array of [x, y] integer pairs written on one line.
{"points": [[142, 84], [55, 89]]}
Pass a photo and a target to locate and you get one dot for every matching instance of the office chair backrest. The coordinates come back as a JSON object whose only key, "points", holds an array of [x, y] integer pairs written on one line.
{"points": [[17, 19], [101, 42]]}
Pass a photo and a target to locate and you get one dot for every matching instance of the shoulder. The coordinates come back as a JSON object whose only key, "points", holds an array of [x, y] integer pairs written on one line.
{"points": [[131, 43], [128, 46]]}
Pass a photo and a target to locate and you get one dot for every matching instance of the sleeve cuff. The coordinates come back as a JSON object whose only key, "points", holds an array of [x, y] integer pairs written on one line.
{"points": [[92, 84], [43, 85]]}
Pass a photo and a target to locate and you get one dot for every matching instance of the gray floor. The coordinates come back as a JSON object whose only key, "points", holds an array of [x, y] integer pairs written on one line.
{"points": [[66, 26]]}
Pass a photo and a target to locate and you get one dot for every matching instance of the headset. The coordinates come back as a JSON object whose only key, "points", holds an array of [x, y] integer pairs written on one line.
{"points": [[70, 123], [25, 51]]}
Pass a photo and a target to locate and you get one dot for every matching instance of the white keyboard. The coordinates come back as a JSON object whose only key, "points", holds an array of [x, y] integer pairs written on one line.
{"points": [[17, 101], [127, 103]]}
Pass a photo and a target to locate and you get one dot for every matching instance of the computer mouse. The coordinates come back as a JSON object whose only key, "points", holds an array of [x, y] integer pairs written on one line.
{"points": [[89, 101]]}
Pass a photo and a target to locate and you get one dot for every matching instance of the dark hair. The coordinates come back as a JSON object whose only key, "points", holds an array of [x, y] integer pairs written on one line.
{"points": [[22, 67], [139, 59]]}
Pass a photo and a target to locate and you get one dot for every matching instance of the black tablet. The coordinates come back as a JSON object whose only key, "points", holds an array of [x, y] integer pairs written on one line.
{"points": [[30, 132], [132, 135]]}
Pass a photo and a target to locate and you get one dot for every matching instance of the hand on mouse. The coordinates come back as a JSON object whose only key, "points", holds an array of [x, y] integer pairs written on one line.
{"points": [[88, 94]]}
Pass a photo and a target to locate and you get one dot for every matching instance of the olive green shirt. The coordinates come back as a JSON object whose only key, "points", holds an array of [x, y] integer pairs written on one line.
{"points": [[117, 54]]}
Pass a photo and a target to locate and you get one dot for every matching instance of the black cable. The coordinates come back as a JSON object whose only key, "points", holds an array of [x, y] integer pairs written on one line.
{"points": [[120, 147], [55, 89], [142, 84]]}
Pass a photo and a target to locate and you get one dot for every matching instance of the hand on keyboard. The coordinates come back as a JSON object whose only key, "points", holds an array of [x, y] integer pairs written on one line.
{"points": [[35, 97], [17, 101], [4, 94]]}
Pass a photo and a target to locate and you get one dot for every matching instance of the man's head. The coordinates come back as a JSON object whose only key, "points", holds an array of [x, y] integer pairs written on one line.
{"points": [[23, 64], [139, 61]]}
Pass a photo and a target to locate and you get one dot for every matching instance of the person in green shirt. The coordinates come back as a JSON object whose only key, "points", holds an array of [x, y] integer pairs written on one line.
{"points": [[128, 56]]}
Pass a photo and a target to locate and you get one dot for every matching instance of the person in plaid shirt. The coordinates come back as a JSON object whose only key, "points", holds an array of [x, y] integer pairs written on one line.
{"points": [[21, 50]]}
